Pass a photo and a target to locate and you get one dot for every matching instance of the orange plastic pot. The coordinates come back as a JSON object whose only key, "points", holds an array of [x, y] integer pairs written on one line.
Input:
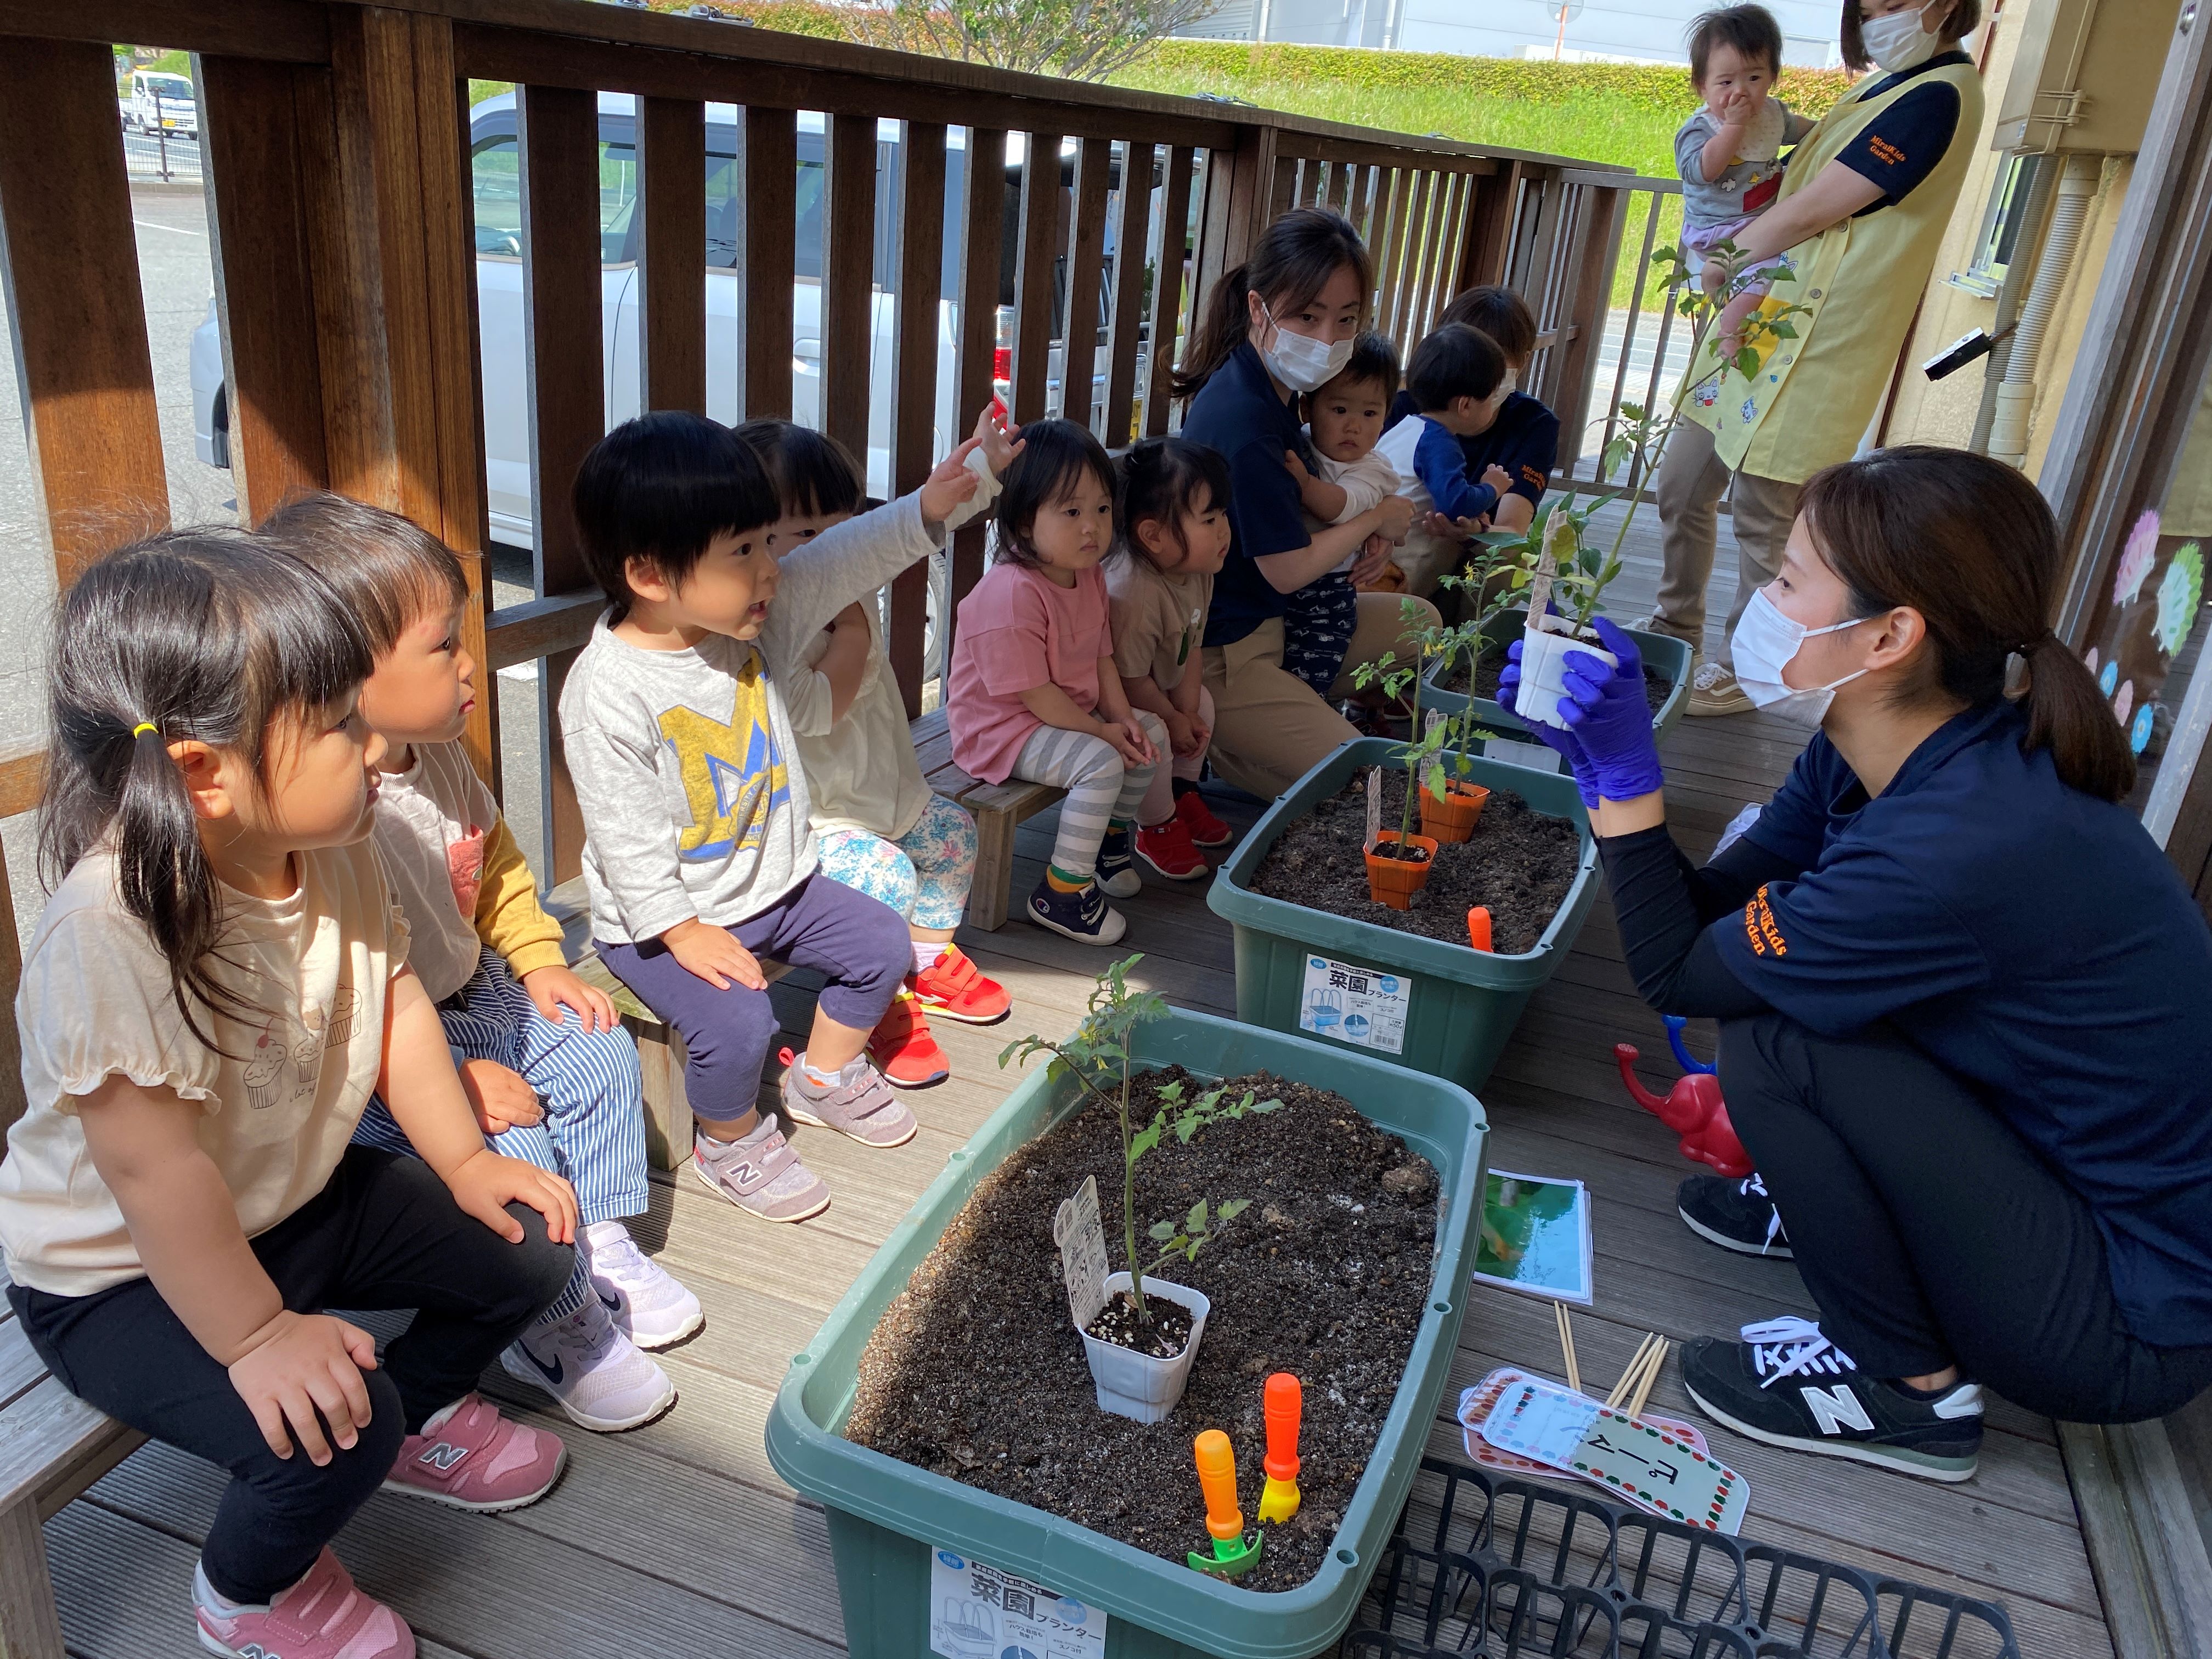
{"points": [[1394, 881], [1454, 817]]}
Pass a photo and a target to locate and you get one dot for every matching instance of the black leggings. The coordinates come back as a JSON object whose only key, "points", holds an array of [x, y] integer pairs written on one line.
{"points": [[384, 1233], [1931, 1234]]}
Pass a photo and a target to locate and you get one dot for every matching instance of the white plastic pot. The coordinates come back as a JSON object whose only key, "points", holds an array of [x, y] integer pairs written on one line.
{"points": [[1543, 671], [1132, 1384]]}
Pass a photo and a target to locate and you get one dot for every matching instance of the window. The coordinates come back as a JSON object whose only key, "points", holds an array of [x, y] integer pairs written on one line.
{"points": [[495, 177], [2001, 223], [618, 201]]}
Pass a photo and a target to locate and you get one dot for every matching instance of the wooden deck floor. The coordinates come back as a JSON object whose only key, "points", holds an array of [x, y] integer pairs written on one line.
{"points": [[678, 1539]]}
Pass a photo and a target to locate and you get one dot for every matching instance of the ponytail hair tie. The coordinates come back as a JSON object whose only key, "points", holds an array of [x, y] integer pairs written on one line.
{"points": [[143, 727]]}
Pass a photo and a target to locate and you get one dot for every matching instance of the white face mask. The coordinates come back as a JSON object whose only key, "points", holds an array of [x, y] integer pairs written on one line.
{"points": [[1763, 645], [1506, 388], [1302, 363], [1896, 42]]}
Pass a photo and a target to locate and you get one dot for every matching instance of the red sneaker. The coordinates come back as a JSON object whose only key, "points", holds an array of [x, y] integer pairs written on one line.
{"points": [[903, 1048], [1198, 821], [954, 987], [1166, 847]]}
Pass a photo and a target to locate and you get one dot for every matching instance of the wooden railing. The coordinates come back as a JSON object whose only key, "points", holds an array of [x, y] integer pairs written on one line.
{"points": [[338, 155]]}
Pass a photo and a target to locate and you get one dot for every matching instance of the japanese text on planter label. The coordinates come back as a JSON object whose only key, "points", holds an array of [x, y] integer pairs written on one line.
{"points": [[1354, 1005], [979, 1611]]}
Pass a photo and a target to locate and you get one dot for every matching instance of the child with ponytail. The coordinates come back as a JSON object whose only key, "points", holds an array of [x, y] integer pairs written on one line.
{"points": [[219, 983]]}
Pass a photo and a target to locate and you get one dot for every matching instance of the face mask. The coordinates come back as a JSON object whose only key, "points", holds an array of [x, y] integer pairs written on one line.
{"points": [[1302, 363], [1763, 645], [1506, 388], [1897, 42]]}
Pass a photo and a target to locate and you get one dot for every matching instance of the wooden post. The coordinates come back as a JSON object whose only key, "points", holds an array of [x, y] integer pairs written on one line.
{"points": [[1132, 237], [1589, 297], [672, 321], [1240, 185], [849, 250], [73, 295], [561, 306], [1042, 241], [981, 258], [1490, 236], [914, 382], [771, 163], [1079, 335], [1171, 275], [29, 1626]]}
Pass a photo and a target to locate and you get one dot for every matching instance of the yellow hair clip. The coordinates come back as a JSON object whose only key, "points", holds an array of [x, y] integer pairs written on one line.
{"points": [[145, 726]]}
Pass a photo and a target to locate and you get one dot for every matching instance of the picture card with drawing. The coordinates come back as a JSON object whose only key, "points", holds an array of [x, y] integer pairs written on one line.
{"points": [[1536, 1236]]}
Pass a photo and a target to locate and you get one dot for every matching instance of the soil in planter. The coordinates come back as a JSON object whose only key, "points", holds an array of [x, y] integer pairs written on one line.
{"points": [[1519, 862], [1658, 688], [976, 1371], [1402, 853], [1164, 1339]]}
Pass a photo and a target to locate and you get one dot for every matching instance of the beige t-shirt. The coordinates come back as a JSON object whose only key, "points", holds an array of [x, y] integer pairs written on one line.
{"points": [[95, 1001], [432, 822], [1159, 620]]}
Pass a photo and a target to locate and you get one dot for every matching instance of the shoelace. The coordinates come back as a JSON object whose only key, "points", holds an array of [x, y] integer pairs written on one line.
{"points": [[1789, 1344], [1753, 1184], [620, 1259]]}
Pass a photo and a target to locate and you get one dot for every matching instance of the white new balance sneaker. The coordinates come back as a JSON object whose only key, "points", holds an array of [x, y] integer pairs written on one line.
{"points": [[594, 1372], [647, 1306]]}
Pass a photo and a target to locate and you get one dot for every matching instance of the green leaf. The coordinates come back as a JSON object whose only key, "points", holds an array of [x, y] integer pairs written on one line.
{"points": [[1196, 1221], [1145, 1138], [1187, 1127], [1232, 1209], [1436, 781], [1266, 1106], [1746, 361], [1171, 1092], [1161, 1230]]}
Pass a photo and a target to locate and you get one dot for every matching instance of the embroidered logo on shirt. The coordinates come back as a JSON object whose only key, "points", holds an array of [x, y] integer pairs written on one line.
{"points": [[1884, 151], [1759, 926], [1532, 475], [733, 777]]}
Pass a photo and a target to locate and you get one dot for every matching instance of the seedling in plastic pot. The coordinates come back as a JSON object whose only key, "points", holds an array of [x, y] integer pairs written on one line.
{"points": [[1096, 1056]]}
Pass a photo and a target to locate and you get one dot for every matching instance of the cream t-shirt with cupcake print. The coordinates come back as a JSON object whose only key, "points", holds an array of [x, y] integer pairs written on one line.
{"points": [[276, 1107]]}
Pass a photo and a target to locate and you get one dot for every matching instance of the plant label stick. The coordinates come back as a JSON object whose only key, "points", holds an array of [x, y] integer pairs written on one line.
{"points": [[1082, 1240], [1540, 597], [1374, 805], [1432, 721]]}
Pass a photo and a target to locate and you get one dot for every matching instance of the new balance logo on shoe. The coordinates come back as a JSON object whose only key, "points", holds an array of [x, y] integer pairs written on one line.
{"points": [[255, 1651], [1837, 1409], [441, 1458]]}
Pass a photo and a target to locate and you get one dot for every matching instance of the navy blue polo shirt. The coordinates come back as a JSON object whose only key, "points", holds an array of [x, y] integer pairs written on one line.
{"points": [[1901, 146], [1524, 440], [2034, 941], [1239, 412]]}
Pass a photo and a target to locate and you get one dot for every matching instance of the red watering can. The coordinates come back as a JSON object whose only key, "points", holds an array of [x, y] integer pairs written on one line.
{"points": [[1694, 1110]]}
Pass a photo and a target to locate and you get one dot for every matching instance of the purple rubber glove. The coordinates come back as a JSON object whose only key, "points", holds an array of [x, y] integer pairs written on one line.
{"points": [[1609, 713], [1567, 744]]}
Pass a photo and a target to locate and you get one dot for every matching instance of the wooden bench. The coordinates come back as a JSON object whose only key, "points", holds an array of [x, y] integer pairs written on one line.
{"points": [[52, 1446], [997, 808]]}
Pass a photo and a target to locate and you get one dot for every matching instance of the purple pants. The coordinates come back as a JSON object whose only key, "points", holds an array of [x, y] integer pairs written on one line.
{"points": [[861, 944]]}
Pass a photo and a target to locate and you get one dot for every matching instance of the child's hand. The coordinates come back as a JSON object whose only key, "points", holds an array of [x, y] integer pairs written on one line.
{"points": [[1736, 109], [486, 1183], [951, 485], [1000, 443], [1297, 468], [502, 1100], [1395, 518], [1374, 554], [1129, 740], [1497, 479], [303, 1364], [552, 989], [1444, 529], [1187, 734], [713, 954]]}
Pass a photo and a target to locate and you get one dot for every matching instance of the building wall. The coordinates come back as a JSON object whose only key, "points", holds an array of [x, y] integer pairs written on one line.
{"points": [[1622, 28]]}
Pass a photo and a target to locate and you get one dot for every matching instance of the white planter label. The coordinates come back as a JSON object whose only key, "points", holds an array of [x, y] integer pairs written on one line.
{"points": [[1355, 1005], [1374, 793], [1532, 755], [1082, 1240], [979, 1611]]}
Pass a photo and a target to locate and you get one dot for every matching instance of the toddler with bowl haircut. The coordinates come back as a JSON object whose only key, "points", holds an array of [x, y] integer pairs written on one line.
{"points": [[1032, 688], [699, 845], [1344, 418], [1457, 383], [877, 826], [552, 1075]]}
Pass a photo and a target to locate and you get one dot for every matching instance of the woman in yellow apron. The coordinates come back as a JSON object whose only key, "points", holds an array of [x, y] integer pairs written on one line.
{"points": [[1863, 210]]}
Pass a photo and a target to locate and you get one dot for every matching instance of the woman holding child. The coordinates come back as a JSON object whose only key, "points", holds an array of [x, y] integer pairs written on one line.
{"points": [[1278, 326]]}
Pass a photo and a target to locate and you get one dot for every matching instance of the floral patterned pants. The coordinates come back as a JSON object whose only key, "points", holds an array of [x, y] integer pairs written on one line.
{"points": [[923, 875]]}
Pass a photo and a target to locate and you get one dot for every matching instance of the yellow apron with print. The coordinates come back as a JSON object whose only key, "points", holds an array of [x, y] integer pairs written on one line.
{"points": [[1811, 399]]}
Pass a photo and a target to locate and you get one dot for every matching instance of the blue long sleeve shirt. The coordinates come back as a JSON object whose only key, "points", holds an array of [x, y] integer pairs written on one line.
{"points": [[1441, 465]]}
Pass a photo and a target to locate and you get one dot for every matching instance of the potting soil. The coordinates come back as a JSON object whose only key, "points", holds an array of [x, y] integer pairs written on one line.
{"points": [[1518, 862], [1120, 1324], [976, 1371], [1656, 686]]}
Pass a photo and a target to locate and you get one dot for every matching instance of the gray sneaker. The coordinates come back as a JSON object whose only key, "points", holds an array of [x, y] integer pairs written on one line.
{"points": [[860, 1104], [761, 1175], [1713, 691]]}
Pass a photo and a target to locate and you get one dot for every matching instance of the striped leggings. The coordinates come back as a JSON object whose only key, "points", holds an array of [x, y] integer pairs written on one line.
{"points": [[594, 1130], [1100, 787]]}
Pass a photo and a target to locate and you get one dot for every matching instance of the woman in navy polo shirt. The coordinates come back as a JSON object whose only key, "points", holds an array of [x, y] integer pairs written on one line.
{"points": [[1962, 994], [1278, 325]]}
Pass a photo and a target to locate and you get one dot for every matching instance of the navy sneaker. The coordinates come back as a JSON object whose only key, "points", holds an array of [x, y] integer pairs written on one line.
{"points": [[1736, 1215], [1085, 916], [1787, 1385], [1117, 866]]}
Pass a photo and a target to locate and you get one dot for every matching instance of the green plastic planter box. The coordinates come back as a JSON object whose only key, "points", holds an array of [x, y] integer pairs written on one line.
{"points": [[1457, 1005], [1663, 652], [887, 1517]]}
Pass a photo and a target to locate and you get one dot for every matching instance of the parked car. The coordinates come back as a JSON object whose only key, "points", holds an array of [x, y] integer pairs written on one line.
{"points": [[157, 100], [496, 177]]}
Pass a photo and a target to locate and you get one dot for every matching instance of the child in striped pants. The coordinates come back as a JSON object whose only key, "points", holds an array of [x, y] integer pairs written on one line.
{"points": [[542, 1055]]}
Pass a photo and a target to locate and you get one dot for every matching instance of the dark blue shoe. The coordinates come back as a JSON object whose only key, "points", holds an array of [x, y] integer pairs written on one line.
{"points": [[1117, 866], [1085, 917]]}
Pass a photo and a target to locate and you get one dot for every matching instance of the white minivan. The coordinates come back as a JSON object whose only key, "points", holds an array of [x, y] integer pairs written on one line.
{"points": [[499, 238], [159, 101]]}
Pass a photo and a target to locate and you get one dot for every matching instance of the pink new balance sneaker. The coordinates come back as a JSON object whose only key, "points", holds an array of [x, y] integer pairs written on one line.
{"points": [[470, 1457], [322, 1617]]}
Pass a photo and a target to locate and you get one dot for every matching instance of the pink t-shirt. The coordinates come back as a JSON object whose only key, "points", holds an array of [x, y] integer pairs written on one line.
{"points": [[1020, 629]]}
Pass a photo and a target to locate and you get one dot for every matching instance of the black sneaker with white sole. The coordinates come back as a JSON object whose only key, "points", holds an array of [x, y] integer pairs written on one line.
{"points": [[1787, 1385], [1082, 916], [1736, 1215]]}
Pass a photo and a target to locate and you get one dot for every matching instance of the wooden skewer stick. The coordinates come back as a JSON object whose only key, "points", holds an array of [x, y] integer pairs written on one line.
{"points": [[1567, 1344], [1626, 1389], [1650, 1378]]}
